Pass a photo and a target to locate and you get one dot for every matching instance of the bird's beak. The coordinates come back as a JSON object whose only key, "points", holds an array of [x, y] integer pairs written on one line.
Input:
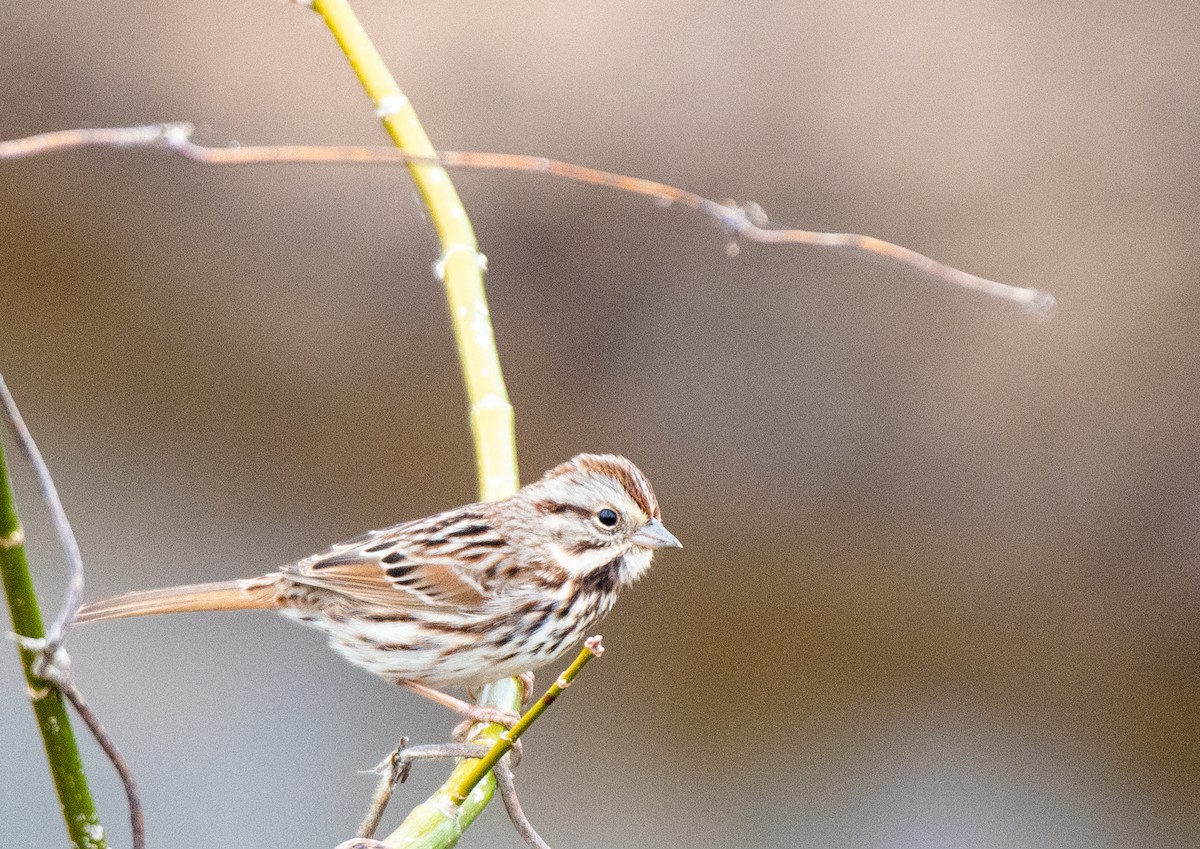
{"points": [[654, 535]]}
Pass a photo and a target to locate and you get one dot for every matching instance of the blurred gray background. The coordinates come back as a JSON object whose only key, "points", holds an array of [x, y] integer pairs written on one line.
{"points": [[940, 584]]}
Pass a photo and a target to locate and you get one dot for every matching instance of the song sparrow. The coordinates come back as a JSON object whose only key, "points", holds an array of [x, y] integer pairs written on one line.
{"points": [[468, 596]]}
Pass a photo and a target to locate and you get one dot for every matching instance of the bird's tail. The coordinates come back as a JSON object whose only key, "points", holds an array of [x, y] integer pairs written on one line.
{"points": [[253, 594]]}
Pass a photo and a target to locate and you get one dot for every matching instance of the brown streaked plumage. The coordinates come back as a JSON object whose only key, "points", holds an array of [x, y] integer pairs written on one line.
{"points": [[463, 597]]}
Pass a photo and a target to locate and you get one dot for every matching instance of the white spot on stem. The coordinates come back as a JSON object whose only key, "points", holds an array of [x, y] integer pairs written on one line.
{"points": [[391, 105]]}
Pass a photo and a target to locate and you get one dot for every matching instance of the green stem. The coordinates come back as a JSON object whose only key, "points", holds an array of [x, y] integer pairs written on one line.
{"points": [[62, 753]]}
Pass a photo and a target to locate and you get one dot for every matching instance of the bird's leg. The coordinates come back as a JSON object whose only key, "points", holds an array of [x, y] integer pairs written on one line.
{"points": [[475, 713], [526, 679]]}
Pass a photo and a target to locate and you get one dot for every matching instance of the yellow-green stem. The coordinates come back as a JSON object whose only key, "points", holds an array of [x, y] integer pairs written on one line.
{"points": [[438, 824], [460, 266]]}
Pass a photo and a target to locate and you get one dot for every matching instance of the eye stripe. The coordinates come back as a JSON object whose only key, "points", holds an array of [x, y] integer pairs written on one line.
{"points": [[550, 507]]}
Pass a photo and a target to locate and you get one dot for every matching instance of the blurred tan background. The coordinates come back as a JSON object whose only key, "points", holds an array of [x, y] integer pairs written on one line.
{"points": [[940, 585]]}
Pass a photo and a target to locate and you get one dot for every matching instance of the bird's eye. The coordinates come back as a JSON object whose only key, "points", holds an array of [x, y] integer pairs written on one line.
{"points": [[607, 517]]}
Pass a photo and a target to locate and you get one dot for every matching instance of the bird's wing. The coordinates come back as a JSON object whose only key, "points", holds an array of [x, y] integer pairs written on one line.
{"points": [[446, 560]]}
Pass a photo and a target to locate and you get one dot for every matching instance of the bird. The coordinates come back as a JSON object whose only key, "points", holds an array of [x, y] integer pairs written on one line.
{"points": [[470, 595]]}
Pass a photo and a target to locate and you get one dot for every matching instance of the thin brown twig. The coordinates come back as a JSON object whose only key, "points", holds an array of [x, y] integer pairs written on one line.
{"points": [[508, 795], [73, 594], [391, 771], [395, 768], [53, 663], [440, 752], [739, 221], [57, 672]]}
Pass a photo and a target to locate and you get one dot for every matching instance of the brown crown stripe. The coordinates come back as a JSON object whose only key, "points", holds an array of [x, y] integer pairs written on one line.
{"points": [[626, 474]]}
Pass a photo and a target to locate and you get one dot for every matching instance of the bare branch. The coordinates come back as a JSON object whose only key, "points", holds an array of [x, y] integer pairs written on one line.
{"points": [[739, 221], [391, 771], [439, 752]]}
